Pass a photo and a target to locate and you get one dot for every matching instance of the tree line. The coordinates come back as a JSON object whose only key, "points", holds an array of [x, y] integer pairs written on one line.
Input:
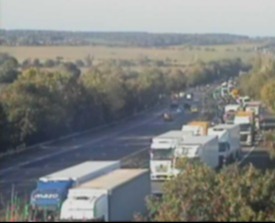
{"points": [[140, 39], [37, 104], [201, 194]]}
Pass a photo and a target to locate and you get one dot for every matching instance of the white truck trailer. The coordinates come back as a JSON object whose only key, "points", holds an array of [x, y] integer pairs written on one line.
{"points": [[195, 130], [256, 108], [116, 196], [247, 127], [229, 141], [161, 154], [52, 189], [198, 148], [82, 172]]}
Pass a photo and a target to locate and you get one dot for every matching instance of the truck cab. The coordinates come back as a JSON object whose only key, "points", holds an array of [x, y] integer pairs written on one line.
{"points": [[229, 113], [162, 153], [229, 142], [161, 156], [48, 197]]}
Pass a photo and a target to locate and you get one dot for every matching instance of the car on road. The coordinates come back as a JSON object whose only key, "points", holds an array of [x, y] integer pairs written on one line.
{"points": [[194, 109], [167, 117], [186, 106]]}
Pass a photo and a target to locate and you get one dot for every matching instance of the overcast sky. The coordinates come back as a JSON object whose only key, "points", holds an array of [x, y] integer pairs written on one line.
{"points": [[249, 17]]}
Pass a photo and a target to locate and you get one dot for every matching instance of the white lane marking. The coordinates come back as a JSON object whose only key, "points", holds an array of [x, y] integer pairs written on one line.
{"points": [[248, 154], [78, 146]]}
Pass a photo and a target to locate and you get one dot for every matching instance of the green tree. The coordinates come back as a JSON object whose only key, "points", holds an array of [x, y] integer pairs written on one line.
{"points": [[268, 94], [70, 68], [35, 104], [79, 63], [36, 63], [49, 63], [201, 194]]}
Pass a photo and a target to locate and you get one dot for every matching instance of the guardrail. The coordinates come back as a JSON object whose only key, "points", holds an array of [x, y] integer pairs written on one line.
{"points": [[139, 159], [101, 127]]}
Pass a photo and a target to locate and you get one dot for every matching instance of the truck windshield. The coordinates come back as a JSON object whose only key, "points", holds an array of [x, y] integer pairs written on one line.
{"points": [[161, 154], [244, 127]]}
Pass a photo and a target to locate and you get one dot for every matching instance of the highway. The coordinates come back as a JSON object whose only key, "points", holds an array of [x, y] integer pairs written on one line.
{"points": [[21, 171]]}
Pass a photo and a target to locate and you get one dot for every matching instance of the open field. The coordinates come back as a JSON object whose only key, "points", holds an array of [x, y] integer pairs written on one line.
{"points": [[178, 54]]}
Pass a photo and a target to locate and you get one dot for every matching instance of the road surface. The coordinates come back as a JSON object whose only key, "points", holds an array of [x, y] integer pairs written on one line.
{"points": [[20, 172]]}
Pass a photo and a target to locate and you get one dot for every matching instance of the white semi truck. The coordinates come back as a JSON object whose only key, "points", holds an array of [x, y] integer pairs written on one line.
{"points": [[247, 127], [256, 108], [199, 128], [116, 196], [167, 148], [196, 130], [229, 141], [52, 190], [229, 112], [162, 153], [199, 148]]}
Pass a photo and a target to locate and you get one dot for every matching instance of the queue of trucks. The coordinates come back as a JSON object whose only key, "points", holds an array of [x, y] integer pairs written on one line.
{"points": [[103, 191], [196, 141], [247, 116], [93, 191], [214, 145]]}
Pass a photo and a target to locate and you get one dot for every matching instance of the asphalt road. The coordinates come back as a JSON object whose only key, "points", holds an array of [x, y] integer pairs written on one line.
{"points": [[21, 171]]}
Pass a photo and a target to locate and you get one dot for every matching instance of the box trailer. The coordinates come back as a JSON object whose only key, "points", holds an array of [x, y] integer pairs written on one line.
{"points": [[51, 190], [198, 148], [116, 196], [247, 127], [201, 127], [229, 141], [256, 108]]}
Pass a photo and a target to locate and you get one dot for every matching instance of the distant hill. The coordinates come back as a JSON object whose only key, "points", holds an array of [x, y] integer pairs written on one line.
{"points": [[141, 39]]}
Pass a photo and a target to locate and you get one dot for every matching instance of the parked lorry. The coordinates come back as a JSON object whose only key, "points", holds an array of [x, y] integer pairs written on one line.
{"points": [[256, 108], [161, 154], [51, 190], [229, 142], [116, 196], [167, 117], [243, 100], [247, 127], [267, 122], [169, 147], [198, 148], [229, 113]]}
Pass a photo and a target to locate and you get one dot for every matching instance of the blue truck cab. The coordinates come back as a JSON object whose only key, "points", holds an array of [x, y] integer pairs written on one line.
{"points": [[50, 195]]}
